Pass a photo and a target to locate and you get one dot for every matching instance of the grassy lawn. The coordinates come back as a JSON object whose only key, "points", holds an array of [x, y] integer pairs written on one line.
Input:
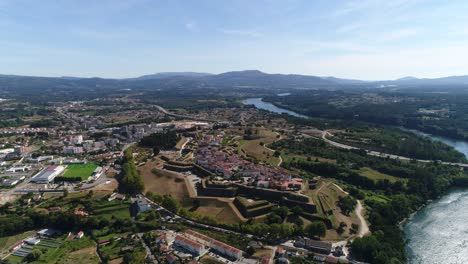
{"points": [[376, 197], [375, 175], [219, 209], [256, 149], [83, 171], [14, 259], [115, 208], [287, 157]]}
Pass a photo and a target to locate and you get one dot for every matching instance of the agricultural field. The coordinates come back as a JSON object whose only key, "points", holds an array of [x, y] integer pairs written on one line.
{"points": [[55, 250], [83, 171], [376, 176], [81, 256], [119, 246], [97, 205]]}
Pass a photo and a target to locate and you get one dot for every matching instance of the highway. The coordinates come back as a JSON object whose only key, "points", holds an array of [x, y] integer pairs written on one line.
{"points": [[160, 108], [385, 155]]}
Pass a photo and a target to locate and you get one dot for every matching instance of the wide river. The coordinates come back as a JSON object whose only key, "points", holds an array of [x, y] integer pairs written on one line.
{"points": [[436, 234]]}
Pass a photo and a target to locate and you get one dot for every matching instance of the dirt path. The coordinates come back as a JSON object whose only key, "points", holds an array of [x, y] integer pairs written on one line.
{"points": [[363, 227], [280, 161]]}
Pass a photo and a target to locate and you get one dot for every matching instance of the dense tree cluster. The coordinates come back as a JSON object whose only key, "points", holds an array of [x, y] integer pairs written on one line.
{"points": [[165, 201], [160, 141], [398, 142], [423, 181], [347, 204], [130, 181], [444, 114]]}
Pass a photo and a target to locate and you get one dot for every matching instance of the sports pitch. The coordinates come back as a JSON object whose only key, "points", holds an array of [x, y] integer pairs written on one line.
{"points": [[84, 171]]}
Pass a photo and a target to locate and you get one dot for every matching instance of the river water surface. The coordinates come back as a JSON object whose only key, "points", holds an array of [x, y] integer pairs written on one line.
{"points": [[258, 103], [436, 234], [439, 232]]}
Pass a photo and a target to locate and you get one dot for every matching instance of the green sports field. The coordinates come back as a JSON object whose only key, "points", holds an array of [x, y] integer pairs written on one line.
{"points": [[79, 170]]}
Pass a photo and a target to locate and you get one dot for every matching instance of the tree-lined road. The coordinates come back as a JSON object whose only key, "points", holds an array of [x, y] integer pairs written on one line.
{"points": [[384, 155]]}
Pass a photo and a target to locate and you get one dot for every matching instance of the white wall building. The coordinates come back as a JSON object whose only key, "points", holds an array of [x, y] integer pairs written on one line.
{"points": [[189, 245], [48, 174]]}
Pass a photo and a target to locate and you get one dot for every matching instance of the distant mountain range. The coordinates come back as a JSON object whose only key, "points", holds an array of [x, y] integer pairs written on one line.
{"points": [[162, 75], [434, 81], [247, 79]]}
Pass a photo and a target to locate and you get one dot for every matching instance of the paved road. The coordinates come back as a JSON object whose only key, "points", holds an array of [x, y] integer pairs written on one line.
{"points": [[193, 223], [160, 108], [385, 155], [148, 250]]}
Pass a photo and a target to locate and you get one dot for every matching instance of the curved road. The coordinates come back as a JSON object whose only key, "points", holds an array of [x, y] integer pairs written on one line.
{"points": [[384, 155], [160, 108], [363, 227]]}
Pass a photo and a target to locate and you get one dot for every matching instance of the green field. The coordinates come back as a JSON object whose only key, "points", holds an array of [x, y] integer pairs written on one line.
{"points": [[375, 175], [83, 171], [112, 209], [61, 250]]}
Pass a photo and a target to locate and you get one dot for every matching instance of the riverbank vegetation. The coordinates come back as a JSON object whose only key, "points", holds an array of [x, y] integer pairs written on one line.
{"points": [[397, 142], [444, 114], [388, 202]]}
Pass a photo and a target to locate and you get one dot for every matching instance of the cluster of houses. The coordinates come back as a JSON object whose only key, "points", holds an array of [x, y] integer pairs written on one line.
{"points": [[196, 244], [210, 157], [136, 132], [75, 144], [26, 130]]}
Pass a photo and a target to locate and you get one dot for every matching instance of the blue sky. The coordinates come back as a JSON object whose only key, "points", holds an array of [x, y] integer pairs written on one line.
{"points": [[364, 39]]}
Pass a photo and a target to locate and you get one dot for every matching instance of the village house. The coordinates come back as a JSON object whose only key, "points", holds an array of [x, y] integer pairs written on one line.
{"points": [[79, 235]]}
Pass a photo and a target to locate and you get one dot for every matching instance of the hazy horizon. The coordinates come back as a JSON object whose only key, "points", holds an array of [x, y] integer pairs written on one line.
{"points": [[366, 40]]}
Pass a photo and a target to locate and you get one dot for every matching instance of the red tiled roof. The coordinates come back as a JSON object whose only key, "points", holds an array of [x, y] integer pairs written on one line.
{"points": [[213, 241], [187, 241]]}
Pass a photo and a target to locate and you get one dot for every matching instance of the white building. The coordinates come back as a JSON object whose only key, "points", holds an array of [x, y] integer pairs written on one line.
{"points": [[32, 241], [72, 150], [48, 174], [78, 139], [18, 169], [216, 245], [189, 245], [227, 250]]}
